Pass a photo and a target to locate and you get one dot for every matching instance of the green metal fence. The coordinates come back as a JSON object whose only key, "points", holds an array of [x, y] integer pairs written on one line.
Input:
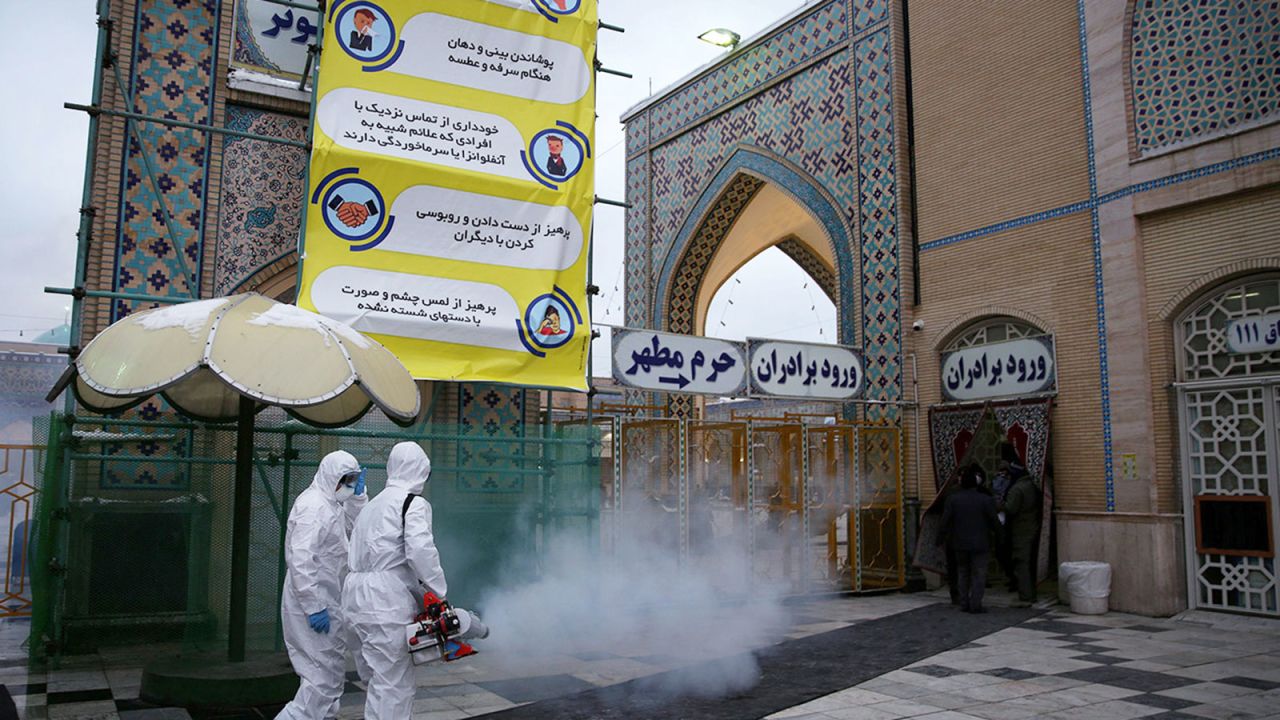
{"points": [[134, 528]]}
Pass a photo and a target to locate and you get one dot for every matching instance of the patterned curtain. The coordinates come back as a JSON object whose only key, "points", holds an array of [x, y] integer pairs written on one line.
{"points": [[952, 434]]}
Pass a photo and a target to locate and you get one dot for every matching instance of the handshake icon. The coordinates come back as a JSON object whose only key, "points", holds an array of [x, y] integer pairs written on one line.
{"points": [[352, 214]]}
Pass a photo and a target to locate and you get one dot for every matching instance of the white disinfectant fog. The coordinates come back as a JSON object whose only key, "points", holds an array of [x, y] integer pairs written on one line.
{"points": [[624, 600]]}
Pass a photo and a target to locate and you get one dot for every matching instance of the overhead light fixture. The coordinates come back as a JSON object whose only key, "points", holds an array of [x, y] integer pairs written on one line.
{"points": [[720, 37]]}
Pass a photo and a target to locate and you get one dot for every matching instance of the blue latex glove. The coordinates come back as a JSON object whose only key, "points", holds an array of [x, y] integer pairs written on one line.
{"points": [[320, 621], [360, 482]]}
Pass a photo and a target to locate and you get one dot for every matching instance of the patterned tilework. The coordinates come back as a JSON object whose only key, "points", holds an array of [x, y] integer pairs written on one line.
{"points": [[174, 46], [867, 13], [803, 40], [878, 219], [751, 164], [813, 264], [486, 410], [806, 119], [1200, 69], [262, 188], [636, 248], [637, 134], [689, 272]]}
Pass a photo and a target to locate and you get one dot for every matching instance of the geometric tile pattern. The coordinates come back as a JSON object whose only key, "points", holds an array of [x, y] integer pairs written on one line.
{"points": [[173, 59], [1200, 69], [752, 162], [806, 38], [805, 119], [809, 119], [262, 189], [487, 410], [687, 279], [813, 264], [878, 220], [636, 250]]}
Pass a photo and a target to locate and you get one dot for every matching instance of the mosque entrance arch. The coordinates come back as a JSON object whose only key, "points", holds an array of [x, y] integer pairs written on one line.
{"points": [[753, 203]]}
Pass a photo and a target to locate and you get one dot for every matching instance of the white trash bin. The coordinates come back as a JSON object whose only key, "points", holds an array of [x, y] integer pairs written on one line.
{"points": [[1088, 586], [1065, 571]]}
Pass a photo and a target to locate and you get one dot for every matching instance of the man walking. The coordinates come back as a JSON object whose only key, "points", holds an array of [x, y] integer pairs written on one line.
{"points": [[394, 560], [968, 520]]}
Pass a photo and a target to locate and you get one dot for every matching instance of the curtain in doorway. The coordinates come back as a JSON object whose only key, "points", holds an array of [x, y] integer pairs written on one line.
{"points": [[963, 434]]}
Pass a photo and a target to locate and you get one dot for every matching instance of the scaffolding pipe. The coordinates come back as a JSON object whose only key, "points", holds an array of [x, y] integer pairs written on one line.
{"points": [[84, 233], [313, 66], [237, 613], [95, 110], [78, 292]]}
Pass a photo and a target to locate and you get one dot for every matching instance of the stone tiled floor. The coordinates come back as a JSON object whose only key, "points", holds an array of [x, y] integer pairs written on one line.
{"points": [[1071, 667], [1058, 665]]}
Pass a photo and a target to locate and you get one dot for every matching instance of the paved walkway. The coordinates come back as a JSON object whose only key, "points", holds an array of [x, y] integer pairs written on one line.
{"points": [[843, 658]]}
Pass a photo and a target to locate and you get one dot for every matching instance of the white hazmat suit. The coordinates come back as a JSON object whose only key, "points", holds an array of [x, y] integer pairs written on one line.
{"points": [[392, 556], [316, 561]]}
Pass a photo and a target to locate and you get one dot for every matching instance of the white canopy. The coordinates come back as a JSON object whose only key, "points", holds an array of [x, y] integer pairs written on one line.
{"points": [[203, 356]]}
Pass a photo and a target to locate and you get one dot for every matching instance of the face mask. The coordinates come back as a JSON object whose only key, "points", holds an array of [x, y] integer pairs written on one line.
{"points": [[346, 488]]}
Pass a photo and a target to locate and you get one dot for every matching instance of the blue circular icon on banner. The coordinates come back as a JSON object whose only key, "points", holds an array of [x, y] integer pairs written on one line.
{"points": [[550, 323], [556, 154], [365, 32], [561, 7], [353, 209]]}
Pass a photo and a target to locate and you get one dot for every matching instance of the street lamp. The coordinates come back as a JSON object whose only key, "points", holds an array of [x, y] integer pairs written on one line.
{"points": [[720, 37]]}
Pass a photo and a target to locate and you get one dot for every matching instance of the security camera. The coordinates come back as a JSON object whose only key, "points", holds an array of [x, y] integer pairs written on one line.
{"points": [[917, 325]]}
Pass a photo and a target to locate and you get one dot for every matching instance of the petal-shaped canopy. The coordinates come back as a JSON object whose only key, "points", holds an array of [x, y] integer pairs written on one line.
{"points": [[204, 356]]}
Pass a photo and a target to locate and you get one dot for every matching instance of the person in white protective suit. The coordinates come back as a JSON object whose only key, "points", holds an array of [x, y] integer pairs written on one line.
{"points": [[394, 560], [316, 633]]}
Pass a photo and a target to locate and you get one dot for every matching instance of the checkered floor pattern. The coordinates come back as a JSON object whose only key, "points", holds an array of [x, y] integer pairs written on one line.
{"points": [[1058, 665]]}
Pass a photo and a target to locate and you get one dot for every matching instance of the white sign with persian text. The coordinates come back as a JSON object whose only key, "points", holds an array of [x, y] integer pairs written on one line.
{"points": [[1257, 334], [807, 371], [1016, 367], [666, 362]]}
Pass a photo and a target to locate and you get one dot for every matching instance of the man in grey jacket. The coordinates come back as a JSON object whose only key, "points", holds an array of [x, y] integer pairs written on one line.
{"points": [[1022, 510]]}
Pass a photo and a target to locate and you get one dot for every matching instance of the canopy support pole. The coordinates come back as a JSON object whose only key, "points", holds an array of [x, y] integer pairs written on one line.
{"points": [[240, 532]]}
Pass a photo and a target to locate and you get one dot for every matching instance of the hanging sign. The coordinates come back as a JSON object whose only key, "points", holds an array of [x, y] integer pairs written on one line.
{"points": [[805, 370], [1015, 367], [666, 362], [273, 39], [452, 183], [1256, 334]]}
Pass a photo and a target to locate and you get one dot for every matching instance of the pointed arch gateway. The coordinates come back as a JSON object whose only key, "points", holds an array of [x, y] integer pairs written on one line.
{"points": [[695, 266]]}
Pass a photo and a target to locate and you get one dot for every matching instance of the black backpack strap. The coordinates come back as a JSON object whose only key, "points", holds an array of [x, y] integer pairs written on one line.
{"points": [[404, 510]]}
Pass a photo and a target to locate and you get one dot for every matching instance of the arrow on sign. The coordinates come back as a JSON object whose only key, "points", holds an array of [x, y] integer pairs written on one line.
{"points": [[681, 381]]}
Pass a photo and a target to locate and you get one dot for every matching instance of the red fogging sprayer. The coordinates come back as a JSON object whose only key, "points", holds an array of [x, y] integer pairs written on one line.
{"points": [[436, 628]]}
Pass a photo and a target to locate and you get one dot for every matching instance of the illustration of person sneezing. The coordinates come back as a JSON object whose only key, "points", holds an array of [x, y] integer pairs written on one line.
{"points": [[362, 36]]}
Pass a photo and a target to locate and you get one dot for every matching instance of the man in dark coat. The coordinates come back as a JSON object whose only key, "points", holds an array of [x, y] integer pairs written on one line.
{"points": [[968, 520], [1022, 513]]}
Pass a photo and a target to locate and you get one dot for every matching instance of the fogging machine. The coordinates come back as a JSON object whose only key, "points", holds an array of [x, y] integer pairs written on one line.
{"points": [[432, 634]]}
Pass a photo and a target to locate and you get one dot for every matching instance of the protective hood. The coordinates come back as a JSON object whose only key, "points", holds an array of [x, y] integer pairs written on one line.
{"points": [[408, 467], [332, 468]]}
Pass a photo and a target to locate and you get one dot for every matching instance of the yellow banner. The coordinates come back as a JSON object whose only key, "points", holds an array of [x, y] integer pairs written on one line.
{"points": [[452, 183]]}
